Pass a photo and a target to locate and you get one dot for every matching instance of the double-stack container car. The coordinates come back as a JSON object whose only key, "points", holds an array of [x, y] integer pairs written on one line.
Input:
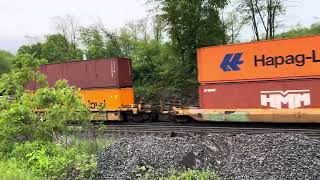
{"points": [[269, 81], [103, 83], [266, 81]]}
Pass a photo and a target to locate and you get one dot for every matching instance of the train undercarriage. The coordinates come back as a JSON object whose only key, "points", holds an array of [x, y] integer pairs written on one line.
{"points": [[143, 113]]}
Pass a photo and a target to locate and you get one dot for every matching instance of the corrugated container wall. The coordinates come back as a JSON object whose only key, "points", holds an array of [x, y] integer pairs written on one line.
{"points": [[102, 73], [266, 60], [111, 99], [284, 94]]}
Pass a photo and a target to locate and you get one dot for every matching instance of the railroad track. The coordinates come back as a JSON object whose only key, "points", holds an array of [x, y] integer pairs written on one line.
{"points": [[162, 129]]}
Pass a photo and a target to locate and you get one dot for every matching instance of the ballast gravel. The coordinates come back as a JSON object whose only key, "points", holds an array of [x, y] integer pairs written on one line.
{"points": [[267, 156]]}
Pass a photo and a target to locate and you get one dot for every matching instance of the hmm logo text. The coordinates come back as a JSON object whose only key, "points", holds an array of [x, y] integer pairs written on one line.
{"points": [[293, 98]]}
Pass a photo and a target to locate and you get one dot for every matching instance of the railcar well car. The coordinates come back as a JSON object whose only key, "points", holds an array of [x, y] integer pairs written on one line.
{"points": [[105, 83], [266, 81]]}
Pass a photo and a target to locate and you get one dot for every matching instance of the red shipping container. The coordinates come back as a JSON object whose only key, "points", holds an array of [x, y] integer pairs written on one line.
{"points": [[101, 73], [284, 94]]}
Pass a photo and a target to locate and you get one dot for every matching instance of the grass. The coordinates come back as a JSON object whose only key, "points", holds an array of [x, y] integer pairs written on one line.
{"points": [[175, 175], [89, 146], [193, 175], [12, 170]]}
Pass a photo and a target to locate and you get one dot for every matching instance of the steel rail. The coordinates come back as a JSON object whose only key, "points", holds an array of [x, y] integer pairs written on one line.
{"points": [[179, 130]]}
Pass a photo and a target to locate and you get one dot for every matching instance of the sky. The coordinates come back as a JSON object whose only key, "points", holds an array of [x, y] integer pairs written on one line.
{"points": [[34, 18]]}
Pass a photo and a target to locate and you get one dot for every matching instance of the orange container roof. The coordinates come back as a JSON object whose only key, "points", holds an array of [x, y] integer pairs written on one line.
{"points": [[276, 59]]}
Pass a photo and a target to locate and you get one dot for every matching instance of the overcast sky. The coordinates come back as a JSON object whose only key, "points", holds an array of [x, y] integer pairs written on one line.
{"points": [[21, 18]]}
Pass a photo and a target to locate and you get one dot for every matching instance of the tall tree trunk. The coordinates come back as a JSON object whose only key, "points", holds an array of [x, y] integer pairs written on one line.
{"points": [[258, 9], [274, 20], [254, 21]]}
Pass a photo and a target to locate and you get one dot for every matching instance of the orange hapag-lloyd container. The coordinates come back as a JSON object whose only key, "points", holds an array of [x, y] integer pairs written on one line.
{"points": [[111, 99], [276, 59]]}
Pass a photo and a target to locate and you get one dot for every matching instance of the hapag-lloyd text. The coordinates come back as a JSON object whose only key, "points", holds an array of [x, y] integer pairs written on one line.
{"points": [[276, 61]]}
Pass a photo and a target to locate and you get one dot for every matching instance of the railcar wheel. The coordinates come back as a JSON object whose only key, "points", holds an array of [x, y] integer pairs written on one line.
{"points": [[182, 119], [138, 118], [154, 117]]}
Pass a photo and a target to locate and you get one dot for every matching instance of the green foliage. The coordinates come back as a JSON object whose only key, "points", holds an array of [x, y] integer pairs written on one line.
{"points": [[40, 159], [194, 175], [299, 31], [5, 61], [162, 68], [23, 70], [55, 106], [167, 70], [34, 49], [262, 16], [12, 169], [43, 159], [90, 146], [60, 104], [93, 41], [22, 112], [145, 173], [201, 26], [55, 49], [30, 122], [157, 70], [159, 74], [17, 124]]}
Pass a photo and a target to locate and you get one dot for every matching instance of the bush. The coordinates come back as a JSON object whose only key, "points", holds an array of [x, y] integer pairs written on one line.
{"points": [[20, 119], [5, 61], [47, 160], [30, 122]]}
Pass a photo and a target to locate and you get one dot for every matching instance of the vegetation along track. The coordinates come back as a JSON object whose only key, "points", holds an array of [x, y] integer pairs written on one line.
{"points": [[191, 129]]}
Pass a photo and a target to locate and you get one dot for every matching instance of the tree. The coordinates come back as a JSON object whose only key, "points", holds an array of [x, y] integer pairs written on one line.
{"points": [[59, 47], [299, 31], [56, 48], [68, 27], [262, 13], [31, 123], [200, 26], [234, 25], [33, 49], [127, 41], [24, 69], [19, 120], [96, 44], [6, 59], [158, 27], [143, 27], [93, 42]]}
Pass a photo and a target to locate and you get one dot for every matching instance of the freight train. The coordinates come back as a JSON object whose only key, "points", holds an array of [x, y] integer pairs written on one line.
{"points": [[267, 81], [105, 84]]}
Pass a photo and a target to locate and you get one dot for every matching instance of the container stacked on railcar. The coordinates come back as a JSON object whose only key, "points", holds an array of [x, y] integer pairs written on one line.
{"points": [[268, 79], [89, 74], [107, 82]]}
